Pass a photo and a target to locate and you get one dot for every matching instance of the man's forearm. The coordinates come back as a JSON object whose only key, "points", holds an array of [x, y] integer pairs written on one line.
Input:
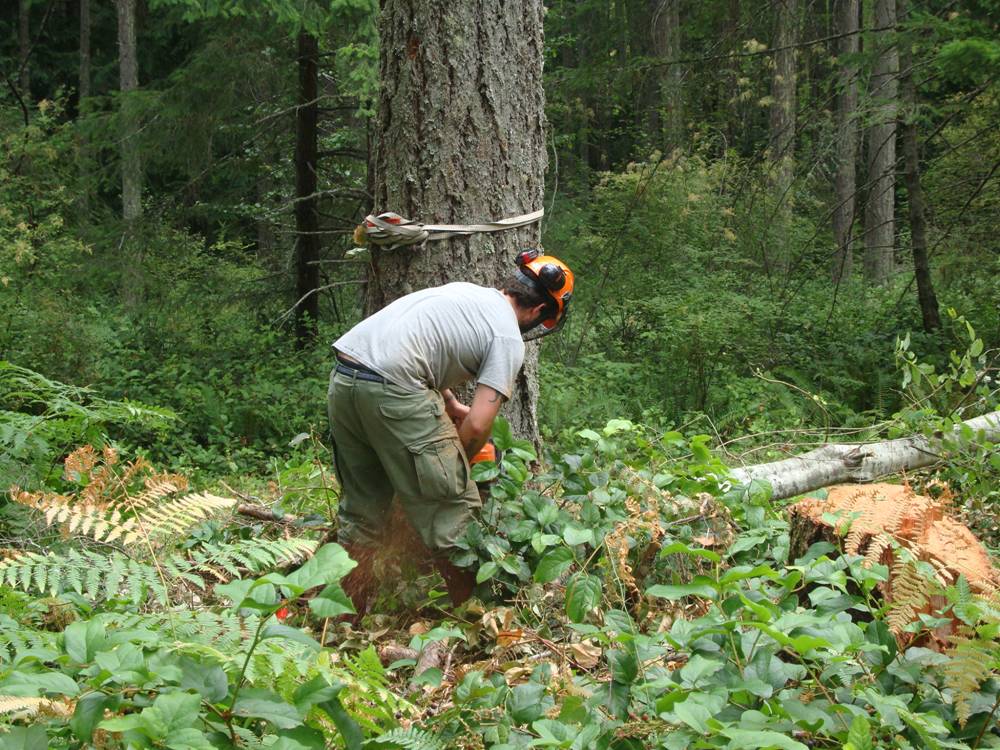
{"points": [[472, 439]]}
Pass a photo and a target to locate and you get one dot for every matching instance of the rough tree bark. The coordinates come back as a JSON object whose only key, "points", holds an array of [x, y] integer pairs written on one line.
{"points": [[667, 112], [84, 84], [782, 122], [880, 222], [128, 72], [24, 47], [845, 182], [461, 140], [306, 218], [863, 462], [915, 195]]}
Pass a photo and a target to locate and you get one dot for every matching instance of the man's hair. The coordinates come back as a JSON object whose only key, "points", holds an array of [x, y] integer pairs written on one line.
{"points": [[528, 295]]}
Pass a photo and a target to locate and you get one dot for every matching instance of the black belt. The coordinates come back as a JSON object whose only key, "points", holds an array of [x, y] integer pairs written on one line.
{"points": [[358, 370]]}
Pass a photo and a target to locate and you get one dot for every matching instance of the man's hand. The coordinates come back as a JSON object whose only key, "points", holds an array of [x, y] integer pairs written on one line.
{"points": [[478, 422], [454, 408]]}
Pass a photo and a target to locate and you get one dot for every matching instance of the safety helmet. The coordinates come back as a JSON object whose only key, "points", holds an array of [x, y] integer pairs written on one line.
{"points": [[550, 276]]}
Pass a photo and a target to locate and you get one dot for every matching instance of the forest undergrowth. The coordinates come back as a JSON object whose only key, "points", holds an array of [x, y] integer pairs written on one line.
{"points": [[630, 596]]}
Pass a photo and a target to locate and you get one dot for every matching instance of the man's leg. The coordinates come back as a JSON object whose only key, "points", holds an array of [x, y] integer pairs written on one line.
{"points": [[365, 490], [419, 448]]}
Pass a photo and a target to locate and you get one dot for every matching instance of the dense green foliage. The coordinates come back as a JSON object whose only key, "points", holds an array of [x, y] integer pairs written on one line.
{"points": [[631, 597]]}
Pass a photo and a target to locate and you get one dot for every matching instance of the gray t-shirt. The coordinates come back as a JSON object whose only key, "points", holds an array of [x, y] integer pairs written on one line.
{"points": [[441, 337]]}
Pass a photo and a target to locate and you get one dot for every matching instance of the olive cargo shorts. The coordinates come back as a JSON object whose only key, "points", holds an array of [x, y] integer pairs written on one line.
{"points": [[389, 441]]}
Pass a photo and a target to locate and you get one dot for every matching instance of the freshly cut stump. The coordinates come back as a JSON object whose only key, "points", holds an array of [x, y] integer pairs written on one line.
{"points": [[879, 519]]}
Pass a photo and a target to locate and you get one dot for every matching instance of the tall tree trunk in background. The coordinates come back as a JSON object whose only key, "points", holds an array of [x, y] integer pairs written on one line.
{"points": [[306, 218], [667, 119], [128, 72], [845, 181], [24, 47], [84, 85], [914, 191], [782, 123], [461, 140], [880, 222], [83, 92]]}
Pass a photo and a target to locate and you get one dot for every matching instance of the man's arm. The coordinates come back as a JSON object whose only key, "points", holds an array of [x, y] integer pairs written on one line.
{"points": [[453, 407], [478, 423]]}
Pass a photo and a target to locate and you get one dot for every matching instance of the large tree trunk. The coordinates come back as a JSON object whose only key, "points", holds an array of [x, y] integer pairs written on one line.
{"points": [[24, 47], [845, 182], [880, 222], [306, 219], [461, 140], [915, 196], [84, 85], [863, 462], [667, 119], [782, 126], [128, 72]]}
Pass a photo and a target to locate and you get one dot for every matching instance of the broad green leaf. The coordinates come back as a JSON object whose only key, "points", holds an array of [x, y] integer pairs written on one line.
{"points": [[33, 684], [679, 591], [328, 565], [554, 564], [624, 665], [331, 602], [697, 668], [432, 676], [583, 593], [175, 710], [697, 709], [487, 571], [761, 739], [300, 738], [503, 436], [209, 681], [575, 535], [277, 630], [315, 691], [188, 738], [485, 471], [25, 738], [525, 702], [682, 549], [860, 735], [82, 640], [88, 712], [258, 703]]}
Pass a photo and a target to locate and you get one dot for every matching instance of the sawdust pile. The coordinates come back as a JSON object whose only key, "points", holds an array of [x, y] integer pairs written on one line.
{"points": [[878, 514]]}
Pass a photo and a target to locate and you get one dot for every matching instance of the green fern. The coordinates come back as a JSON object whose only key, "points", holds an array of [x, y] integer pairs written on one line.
{"points": [[370, 699], [95, 576], [224, 637], [19, 643], [971, 662], [408, 739], [222, 632], [248, 555]]}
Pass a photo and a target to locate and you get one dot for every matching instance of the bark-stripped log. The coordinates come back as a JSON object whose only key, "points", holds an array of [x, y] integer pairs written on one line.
{"points": [[857, 462]]}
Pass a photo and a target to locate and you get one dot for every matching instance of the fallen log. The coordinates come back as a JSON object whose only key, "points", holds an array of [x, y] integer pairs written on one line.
{"points": [[837, 463]]}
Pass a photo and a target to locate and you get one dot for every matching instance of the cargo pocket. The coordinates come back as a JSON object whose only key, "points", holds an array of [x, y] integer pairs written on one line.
{"points": [[441, 469], [415, 419]]}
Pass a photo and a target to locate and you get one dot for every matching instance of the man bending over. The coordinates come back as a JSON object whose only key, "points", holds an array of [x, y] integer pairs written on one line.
{"points": [[398, 430]]}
